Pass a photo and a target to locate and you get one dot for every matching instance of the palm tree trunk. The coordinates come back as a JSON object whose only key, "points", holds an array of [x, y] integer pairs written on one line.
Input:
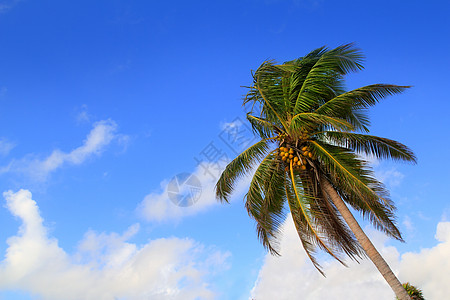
{"points": [[366, 244]]}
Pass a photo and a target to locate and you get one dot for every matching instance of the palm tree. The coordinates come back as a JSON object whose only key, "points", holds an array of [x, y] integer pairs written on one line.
{"points": [[313, 138], [413, 292]]}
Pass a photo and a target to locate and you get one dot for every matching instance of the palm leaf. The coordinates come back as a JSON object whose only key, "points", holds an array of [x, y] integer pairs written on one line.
{"points": [[263, 128], [357, 186], [268, 91], [302, 229], [238, 167], [323, 81], [326, 215], [363, 97], [306, 214], [378, 147], [311, 121], [265, 201]]}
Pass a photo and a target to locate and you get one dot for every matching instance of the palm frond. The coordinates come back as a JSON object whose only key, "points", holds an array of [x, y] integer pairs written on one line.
{"points": [[327, 216], [302, 228], [356, 184], [265, 201], [344, 59], [302, 67], [238, 167], [306, 215], [311, 121], [378, 147], [268, 92], [263, 128], [363, 97], [378, 214], [324, 80], [359, 119], [342, 163]]}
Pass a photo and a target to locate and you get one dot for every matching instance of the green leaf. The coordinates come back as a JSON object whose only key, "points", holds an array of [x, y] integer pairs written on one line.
{"points": [[311, 122], [238, 167], [265, 201], [378, 147], [360, 98]]}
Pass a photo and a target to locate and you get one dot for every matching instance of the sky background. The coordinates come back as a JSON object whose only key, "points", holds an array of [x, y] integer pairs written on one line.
{"points": [[103, 102]]}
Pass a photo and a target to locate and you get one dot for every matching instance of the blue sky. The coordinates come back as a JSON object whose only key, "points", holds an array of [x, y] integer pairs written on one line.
{"points": [[103, 102]]}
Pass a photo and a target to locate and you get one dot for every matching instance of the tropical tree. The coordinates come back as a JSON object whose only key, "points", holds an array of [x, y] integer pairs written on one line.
{"points": [[413, 292], [311, 158]]}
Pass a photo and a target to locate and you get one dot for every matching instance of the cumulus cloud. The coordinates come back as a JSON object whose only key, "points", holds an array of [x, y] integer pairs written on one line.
{"points": [[158, 206], [106, 266], [292, 275], [430, 268], [101, 135]]}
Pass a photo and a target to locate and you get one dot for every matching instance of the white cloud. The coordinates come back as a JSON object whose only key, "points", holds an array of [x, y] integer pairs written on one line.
{"points": [[292, 275], [5, 146], [407, 222], [101, 135], [105, 266], [159, 207], [430, 268], [391, 177], [235, 124]]}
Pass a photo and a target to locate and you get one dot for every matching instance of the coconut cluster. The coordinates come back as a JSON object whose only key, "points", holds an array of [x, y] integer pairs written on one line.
{"points": [[296, 156]]}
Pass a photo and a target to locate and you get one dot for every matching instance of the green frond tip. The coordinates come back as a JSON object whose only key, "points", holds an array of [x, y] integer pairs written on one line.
{"points": [[381, 148], [265, 201], [263, 128], [359, 98], [241, 165], [344, 59], [311, 121], [324, 80]]}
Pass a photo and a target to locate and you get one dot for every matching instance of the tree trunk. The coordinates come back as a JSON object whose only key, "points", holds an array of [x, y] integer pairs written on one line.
{"points": [[366, 244]]}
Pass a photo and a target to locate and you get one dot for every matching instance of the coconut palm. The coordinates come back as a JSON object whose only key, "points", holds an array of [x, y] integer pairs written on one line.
{"points": [[310, 158]]}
